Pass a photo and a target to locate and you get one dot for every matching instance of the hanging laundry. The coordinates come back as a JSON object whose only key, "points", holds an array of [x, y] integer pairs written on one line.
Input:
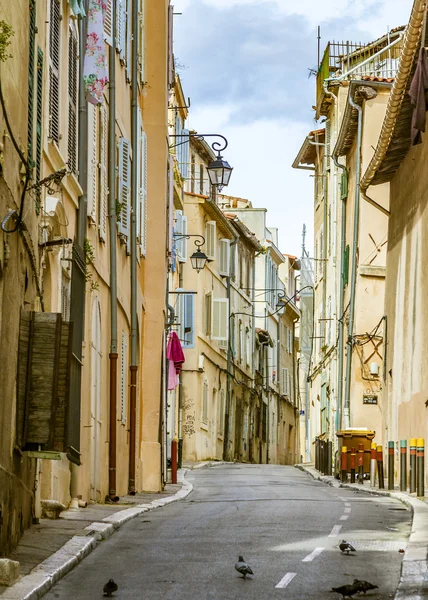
{"points": [[77, 6], [175, 356], [95, 74]]}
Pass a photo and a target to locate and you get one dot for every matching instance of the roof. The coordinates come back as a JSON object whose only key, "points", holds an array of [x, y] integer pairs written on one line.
{"points": [[308, 152], [244, 231]]}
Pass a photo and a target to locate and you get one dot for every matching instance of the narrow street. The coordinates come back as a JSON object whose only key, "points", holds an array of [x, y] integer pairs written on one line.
{"points": [[285, 524]]}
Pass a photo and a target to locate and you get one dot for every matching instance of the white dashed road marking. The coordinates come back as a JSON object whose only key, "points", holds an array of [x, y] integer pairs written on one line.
{"points": [[286, 580], [313, 555], [347, 509], [344, 517], [335, 531]]}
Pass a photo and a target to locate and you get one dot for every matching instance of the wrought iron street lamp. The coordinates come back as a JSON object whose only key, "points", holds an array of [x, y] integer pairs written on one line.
{"points": [[219, 170], [198, 259]]}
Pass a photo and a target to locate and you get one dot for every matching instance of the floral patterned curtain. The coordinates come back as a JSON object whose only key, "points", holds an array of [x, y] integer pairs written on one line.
{"points": [[95, 74]]}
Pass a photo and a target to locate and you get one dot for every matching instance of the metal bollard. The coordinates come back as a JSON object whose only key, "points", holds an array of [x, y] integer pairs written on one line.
{"points": [[379, 457], [361, 463], [420, 460], [353, 457], [329, 458], [403, 465], [344, 464], [391, 465], [373, 464], [413, 465]]}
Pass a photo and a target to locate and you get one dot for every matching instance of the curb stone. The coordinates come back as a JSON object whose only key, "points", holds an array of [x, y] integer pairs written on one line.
{"points": [[43, 577], [413, 583]]}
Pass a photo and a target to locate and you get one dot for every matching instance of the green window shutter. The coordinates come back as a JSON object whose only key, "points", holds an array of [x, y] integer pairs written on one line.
{"points": [[39, 128], [345, 274], [31, 59], [73, 76], [344, 185]]}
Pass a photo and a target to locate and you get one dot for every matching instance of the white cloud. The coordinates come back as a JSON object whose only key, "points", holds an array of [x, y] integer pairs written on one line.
{"points": [[261, 154]]}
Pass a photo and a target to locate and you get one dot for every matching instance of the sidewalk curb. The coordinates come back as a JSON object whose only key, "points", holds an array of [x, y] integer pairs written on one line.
{"points": [[43, 577], [414, 570]]}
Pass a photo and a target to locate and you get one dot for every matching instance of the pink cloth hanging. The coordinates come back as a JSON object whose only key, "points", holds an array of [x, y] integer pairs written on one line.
{"points": [[175, 356], [95, 74]]}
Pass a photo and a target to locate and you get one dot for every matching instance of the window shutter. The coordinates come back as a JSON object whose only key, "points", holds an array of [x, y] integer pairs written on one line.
{"points": [[108, 24], [220, 319], [31, 64], [248, 348], [120, 27], [187, 320], [345, 274], [208, 313], [210, 239], [141, 41], [285, 382], [138, 162], [327, 143], [344, 185], [124, 379], [128, 58], [183, 152], [103, 153], [178, 228], [183, 257], [224, 251], [124, 189], [92, 161], [39, 126], [73, 78], [143, 195], [54, 63]]}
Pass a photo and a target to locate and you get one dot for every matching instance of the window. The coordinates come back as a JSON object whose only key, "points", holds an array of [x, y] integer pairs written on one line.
{"points": [[54, 69], [224, 258], [208, 313], [205, 403], [211, 239], [73, 78], [186, 319], [285, 382], [241, 342], [220, 319], [181, 229], [124, 378]]}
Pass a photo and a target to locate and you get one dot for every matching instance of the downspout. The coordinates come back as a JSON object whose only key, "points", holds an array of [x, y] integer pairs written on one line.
{"points": [[346, 408], [134, 200], [113, 355], [229, 364], [341, 303]]}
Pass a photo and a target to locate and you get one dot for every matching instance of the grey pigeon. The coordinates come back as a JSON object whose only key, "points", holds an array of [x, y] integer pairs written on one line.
{"points": [[243, 567], [364, 586], [110, 587], [347, 590], [346, 547]]}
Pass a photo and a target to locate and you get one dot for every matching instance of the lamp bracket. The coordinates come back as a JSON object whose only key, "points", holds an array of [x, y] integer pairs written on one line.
{"points": [[216, 146]]}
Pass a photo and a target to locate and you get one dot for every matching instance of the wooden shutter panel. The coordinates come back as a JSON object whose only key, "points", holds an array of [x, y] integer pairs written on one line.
{"points": [[54, 70], [128, 40], [141, 41], [121, 28], [184, 153], [124, 189], [108, 23], [73, 77], [224, 262], [103, 180], [183, 248], [344, 185], [31, 64], [92, 161], [210, 239], [39, 126], [220, 319]]}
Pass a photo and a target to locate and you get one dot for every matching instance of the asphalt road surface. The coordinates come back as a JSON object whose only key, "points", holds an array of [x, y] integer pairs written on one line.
{"points": [[286, 525]]}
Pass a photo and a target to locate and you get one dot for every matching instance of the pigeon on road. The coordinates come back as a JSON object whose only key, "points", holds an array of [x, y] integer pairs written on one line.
{"points": [[110, 587], [364, 586], [346, 547], [243, 567], [347, 590]]}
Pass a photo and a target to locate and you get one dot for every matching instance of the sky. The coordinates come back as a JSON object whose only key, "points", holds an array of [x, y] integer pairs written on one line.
{"points": [[245, 66]]}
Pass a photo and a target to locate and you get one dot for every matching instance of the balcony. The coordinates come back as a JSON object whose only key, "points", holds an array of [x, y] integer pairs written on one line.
{"points": [[349, 61]]}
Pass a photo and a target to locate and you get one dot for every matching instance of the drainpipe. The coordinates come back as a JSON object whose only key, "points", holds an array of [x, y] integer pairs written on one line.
{"points": [[113, 355], [346, 409], [229, 366], [341, 304], [134, 200]]}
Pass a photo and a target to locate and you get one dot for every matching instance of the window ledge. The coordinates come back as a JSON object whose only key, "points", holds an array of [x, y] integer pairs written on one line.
{"points": [[204, 426]]}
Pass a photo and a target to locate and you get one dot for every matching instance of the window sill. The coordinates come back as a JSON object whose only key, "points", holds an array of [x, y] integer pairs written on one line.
{"points": [[204, 426]]}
